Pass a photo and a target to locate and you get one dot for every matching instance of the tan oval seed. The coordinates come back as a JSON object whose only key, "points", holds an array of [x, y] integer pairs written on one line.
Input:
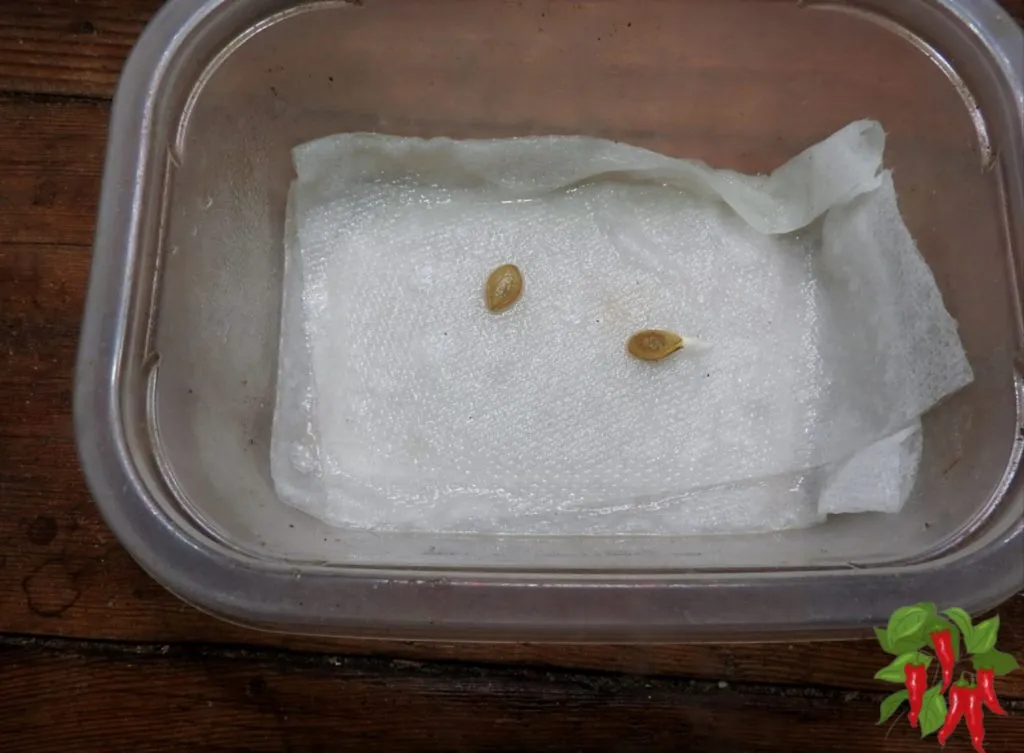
{"points": [[504, 287], [654, 344]]}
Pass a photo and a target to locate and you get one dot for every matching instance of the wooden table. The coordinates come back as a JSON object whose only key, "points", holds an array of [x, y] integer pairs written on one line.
{"points": [[95, 656]]}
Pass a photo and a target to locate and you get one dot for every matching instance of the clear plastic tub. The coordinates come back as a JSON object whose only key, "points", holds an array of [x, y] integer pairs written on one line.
{"points": [[176, 373]]}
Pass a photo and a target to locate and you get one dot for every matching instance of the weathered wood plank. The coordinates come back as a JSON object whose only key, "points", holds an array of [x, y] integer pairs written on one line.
{"points": [[50, 170], [78, 48], [73, 48], [114, 698]]}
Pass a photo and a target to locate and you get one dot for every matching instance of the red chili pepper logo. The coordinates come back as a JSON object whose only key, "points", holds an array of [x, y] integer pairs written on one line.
{"points": [[929, 648], [917, 683], [957, 708], [975, 719], [986, 680], [942, 640]]}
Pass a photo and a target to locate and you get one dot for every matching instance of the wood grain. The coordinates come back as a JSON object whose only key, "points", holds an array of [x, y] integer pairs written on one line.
{"points": [[94, 698], [72, 48], [78, 48]]}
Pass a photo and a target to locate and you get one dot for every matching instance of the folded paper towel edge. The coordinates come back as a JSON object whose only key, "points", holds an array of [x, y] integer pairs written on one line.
{"points": [[765, 203]]}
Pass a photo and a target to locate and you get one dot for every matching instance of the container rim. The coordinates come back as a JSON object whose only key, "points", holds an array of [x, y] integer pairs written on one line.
{"points": [[350, 601]]}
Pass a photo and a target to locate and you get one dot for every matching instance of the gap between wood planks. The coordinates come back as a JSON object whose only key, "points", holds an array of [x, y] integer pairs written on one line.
{"points": [[589, 680], [46, 98], [57, 695]]}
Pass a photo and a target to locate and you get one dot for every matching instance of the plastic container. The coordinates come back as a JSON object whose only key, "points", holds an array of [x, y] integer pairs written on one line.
{"points": [[175, 382]]}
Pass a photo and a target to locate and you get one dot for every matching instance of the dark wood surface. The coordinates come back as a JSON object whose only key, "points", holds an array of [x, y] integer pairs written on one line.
{"points": [[95, 656]]}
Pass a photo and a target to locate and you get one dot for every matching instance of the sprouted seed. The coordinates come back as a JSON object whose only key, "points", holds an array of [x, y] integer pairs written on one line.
{"points": [[654, 344]]}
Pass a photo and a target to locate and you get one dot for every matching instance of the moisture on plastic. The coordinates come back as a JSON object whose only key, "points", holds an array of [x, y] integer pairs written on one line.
{"points": [[177, 380]]}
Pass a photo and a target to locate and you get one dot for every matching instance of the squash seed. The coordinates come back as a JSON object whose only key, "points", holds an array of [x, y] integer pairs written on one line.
{"points": [[654, 344], [504, 287]]}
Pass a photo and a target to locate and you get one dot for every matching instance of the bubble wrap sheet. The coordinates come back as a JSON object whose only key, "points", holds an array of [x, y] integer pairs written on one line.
{"points": [[403, 404]]}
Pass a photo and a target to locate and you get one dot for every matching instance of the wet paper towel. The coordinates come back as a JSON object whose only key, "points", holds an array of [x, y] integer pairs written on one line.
{"points": [[403, 404]]}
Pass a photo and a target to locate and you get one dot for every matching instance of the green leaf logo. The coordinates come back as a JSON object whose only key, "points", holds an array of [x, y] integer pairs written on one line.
{"points": [[983, 637], [883, 640], [895, 670], [933, 711], [961, 619], [906, 623], [998, 661], [890, 704]]}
